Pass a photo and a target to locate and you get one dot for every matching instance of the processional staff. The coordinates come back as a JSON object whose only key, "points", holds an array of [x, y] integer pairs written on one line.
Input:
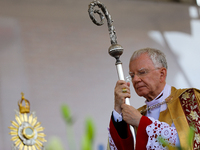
{"points": [[115, 50]]}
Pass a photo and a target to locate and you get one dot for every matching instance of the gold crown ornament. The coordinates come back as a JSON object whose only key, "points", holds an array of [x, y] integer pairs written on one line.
{"points": [[25, 130]]}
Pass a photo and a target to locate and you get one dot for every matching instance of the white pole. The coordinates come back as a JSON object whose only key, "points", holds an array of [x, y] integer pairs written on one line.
{"points": [[127, 101]]}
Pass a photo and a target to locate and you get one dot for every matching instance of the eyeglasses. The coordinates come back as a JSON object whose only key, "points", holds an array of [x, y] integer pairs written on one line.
{"points": [[141, 73]]}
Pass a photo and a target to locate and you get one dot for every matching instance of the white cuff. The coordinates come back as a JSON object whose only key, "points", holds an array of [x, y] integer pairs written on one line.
{"points": [[117, 116]]}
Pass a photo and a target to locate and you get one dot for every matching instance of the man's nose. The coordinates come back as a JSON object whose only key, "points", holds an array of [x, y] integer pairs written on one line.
{"points": [[136, 78]]}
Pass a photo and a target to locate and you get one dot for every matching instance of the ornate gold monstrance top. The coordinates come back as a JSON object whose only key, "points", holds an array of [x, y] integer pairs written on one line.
{"points": [[25, 130]]}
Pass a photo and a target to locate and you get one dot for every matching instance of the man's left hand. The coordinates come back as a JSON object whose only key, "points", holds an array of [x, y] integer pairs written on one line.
{"points": [[131, 115]]}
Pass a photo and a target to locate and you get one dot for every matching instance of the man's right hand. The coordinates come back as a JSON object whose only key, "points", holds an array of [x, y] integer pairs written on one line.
{"points": [[120, 96]]}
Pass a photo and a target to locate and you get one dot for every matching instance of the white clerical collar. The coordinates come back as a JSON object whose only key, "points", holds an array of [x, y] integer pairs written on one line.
{"points": [[160, 98], [155, 101], [166, 93]]}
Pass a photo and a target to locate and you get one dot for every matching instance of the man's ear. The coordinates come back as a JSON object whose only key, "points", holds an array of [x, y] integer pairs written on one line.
{"points": [[163, 74]]}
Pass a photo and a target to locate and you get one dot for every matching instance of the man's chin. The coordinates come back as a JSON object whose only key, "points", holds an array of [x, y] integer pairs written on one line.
{"points": [[141, 92]]}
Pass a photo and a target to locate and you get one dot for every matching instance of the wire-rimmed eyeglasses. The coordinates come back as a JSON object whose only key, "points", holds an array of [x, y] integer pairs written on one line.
{"points": [[140, 73]]}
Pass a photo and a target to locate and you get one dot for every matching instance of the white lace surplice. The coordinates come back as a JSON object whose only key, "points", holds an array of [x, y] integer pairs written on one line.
{"points": [[160, 129]]}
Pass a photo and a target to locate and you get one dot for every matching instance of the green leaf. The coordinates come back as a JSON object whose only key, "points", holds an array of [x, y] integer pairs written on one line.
{"points": [[90, 129], [65, 110], [163, 141], [54, 143], [86, 143], [191, 135], [87, 140]]}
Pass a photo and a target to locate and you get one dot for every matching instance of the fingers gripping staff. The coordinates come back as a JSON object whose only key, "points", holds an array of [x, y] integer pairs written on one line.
{"points": [[115, 50]]}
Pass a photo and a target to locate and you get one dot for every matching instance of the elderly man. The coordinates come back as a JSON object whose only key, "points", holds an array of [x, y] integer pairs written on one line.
{"points": [[169, 112]]}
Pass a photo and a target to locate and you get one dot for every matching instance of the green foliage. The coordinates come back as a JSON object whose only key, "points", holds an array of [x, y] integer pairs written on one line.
{"points": [[86, 143], [163, 142], [65, 110], [87, 139], [54, 144], [90, 129], [170, 147], [191, 136]]}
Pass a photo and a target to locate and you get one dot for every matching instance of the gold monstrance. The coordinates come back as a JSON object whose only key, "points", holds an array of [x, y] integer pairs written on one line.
{"points": [[25, 130]]}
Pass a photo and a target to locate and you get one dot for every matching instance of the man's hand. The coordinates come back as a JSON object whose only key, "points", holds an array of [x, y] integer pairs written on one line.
{"points": [[120, 96], [131, 115]]}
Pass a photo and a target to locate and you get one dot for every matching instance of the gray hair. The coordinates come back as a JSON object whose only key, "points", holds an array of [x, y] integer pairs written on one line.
{"points": [[158, 58]]}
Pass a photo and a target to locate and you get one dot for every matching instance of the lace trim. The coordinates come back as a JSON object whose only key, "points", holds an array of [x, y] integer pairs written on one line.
{"points": [[111, 142], [160, 129]]}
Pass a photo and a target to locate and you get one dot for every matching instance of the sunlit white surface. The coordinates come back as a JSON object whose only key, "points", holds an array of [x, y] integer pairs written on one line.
{"points": [[198, 2], [157, 36], [193, 12], [186, 48]]}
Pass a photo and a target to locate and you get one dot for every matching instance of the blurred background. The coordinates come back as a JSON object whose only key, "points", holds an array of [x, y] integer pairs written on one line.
{"points": [[52, 51]]}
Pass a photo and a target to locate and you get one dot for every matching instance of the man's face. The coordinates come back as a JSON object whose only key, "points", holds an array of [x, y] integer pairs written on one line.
{"points": [[148, 80]]}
